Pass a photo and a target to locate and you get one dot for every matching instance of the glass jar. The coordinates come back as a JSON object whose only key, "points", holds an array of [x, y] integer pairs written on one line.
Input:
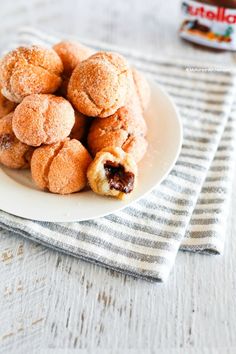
{"points": [[209, 23]]}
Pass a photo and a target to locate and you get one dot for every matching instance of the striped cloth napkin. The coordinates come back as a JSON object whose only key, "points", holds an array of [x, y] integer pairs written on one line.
{"points": [[188, 211]]}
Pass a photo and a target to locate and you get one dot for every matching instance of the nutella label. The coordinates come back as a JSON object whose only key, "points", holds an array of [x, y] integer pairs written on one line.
{"points": [[208, 25]]}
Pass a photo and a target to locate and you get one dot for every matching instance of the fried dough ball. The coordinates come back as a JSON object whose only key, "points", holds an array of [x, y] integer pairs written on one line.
{"points": [[61, 168], [99, 86], [125, 129], [29, 70], [43, 119], [71, 53], [113, 173], [13, 153]]}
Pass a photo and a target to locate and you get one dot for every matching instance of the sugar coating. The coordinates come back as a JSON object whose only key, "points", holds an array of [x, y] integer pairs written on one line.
{"points": [[142, 88], [29, 70], [136, 145], [6, 106], [99, 85], [43, 119], [13, 153], [96, 173], [71, 53], [125, 129], [61, 168]]}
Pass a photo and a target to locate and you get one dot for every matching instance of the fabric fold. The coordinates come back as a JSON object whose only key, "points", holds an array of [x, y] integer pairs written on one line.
{"points": [[188, 210]]}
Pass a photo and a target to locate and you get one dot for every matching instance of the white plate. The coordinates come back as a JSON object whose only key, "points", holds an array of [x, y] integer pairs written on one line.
{"points": [[19, 196]]}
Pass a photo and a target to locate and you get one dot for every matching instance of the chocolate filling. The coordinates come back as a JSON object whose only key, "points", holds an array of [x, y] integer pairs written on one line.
{"points": [[6, 141], [118, 178]]}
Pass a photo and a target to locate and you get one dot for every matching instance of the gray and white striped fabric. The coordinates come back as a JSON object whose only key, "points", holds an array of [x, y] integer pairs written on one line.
{"points": [[189, 209]]}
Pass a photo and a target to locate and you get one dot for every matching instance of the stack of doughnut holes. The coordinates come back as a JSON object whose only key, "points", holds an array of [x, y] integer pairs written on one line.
{"points": [[74, 117]]}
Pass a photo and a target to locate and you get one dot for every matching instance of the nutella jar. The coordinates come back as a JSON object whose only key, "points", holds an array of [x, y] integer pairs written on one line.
{"points": [[209, 23]]}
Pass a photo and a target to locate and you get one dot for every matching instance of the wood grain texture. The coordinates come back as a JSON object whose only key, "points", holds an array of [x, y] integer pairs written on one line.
{"points": [[52, 303]]}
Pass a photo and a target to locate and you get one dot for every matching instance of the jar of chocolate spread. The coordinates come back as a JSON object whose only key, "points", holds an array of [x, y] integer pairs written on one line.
{"points": [[209, 23]]}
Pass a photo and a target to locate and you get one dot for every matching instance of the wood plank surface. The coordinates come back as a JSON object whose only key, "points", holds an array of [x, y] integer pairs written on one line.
{"points": [[52, 303]]}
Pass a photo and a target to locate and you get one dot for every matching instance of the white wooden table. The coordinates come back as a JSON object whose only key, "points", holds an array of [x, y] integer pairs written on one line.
{"points": [[52, 303]]}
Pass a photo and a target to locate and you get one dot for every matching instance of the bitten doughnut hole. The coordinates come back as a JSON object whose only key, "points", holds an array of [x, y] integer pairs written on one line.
{"points": [[113, 173], [118, 178]]}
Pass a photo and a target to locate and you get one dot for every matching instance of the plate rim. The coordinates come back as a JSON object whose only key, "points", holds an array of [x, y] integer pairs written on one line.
{"points": [[121, 207]]}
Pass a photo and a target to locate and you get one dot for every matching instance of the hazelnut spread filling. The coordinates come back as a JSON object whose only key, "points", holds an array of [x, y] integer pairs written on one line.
{"points": [[118, 178], [6, 141]]}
